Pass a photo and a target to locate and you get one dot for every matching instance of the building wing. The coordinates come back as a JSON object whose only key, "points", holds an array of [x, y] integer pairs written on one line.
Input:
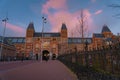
{"points": [[46, 34], [79, 40], [14, 40]]}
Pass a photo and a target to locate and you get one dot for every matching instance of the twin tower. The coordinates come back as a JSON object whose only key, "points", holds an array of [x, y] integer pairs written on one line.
{"points": [[38, 42]]}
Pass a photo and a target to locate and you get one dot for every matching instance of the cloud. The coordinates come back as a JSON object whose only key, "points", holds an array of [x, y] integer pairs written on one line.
{"points": [[14, 30], [58, 18], [54, 4], [93, 1], [62, 15], [98, 12]]}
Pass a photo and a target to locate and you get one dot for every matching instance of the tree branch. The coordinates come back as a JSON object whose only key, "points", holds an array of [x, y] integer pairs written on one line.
{"points": [[114, 5]]}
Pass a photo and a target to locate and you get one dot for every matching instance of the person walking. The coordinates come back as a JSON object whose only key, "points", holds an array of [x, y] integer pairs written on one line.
{"points": [[22, 57]]}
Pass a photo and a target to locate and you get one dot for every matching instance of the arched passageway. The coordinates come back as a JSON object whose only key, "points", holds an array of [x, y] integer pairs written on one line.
{"points": [[45, 55], [53, 56]]}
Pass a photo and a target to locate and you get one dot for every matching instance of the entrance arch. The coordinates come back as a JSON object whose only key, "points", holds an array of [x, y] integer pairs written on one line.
{"points": [[53, 56], [45, 55]]}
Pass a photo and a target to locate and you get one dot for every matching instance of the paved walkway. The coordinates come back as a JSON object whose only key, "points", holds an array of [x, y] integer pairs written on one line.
{"points": [[51, 70]]}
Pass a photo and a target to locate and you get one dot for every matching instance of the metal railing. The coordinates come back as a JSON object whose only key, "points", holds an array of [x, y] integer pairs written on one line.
{"points": [[101, 64]]}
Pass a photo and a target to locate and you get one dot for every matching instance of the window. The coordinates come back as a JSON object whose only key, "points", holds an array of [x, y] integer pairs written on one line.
{"points": [[69, 40], [23, 40], [20, 40], [10, 40], [47, 35], [14, 40], [74, 40], [79, 40], [89, 40], [0, 38]]}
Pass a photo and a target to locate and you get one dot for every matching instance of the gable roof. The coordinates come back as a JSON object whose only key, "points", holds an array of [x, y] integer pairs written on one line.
{"points": [[63, 26], [30, 26], [105, 29]]}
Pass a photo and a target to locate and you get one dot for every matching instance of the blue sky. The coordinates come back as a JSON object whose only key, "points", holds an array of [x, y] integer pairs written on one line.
{"points": [[22, 12]]}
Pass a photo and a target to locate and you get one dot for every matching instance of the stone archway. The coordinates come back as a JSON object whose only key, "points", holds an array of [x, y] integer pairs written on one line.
{"points": [[45, 55], [53, 56]]}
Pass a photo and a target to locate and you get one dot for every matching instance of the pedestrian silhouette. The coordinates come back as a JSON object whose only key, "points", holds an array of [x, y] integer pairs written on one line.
{"points": [[22, 57], [36, 56]]}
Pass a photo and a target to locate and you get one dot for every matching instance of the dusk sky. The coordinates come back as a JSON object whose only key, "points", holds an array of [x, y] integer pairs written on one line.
{"points": [[22, 12]]}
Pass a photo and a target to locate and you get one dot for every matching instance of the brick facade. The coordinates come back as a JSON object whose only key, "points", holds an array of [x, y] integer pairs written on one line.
{"points": [[58, 43]]}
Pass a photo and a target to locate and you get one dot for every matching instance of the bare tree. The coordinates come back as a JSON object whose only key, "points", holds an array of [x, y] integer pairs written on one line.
{"points": [[83, 25], [81, 29], [72, 33], [117, 6]]}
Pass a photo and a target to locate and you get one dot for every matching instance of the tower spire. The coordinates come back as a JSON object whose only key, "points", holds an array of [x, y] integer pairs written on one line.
{"points": [[105, 29]]}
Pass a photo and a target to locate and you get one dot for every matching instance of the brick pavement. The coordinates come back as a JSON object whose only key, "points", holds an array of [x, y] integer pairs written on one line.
{"points": [[51, 70]]}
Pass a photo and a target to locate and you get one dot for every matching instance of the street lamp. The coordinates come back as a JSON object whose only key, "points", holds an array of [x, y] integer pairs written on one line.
{"points": [[86, 45], [86, 53], [111, 56], [76, 58], [44, 21], [4, 20]]}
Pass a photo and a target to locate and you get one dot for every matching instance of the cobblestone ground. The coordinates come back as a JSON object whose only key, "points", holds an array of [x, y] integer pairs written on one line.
{"points": [[35, 70]]}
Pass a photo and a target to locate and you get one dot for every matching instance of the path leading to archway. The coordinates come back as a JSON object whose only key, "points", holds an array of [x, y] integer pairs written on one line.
{"points": [[51, 70]]}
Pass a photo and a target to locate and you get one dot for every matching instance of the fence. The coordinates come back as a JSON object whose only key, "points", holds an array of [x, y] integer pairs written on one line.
{"points": [[101, 64]]}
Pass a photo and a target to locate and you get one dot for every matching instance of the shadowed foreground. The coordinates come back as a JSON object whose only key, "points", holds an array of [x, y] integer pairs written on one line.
{"points": [[51, 70]]}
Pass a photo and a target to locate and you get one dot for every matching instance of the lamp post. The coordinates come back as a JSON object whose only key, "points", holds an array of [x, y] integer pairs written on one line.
{"points": [[4, 20], [104, 57], [86, 53], [44, 21], [111, 54], [76, 56]]}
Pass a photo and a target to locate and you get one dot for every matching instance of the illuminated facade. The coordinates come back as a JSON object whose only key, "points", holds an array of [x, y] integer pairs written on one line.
{"points": [[57, 43]]}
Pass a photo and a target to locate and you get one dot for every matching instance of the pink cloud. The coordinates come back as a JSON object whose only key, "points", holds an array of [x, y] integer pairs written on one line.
{"points": [[62, 15], [54, 4], [57, 19], [93, 1], [98, 12], [16, 30]]}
